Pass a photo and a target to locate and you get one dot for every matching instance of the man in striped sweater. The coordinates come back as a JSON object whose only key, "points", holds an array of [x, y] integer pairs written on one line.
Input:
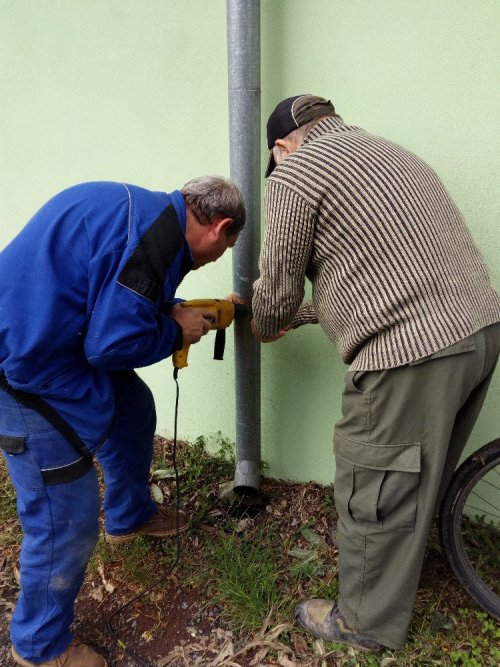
{"points": [[402, 291]]}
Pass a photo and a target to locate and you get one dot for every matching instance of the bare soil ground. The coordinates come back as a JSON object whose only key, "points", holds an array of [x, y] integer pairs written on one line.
{"points": [[177, 624]]}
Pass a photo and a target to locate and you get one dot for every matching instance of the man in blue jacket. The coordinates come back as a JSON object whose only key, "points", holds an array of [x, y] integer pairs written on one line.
{"points": [[87, 294]]}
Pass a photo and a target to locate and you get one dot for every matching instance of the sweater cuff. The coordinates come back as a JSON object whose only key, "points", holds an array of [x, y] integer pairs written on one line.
{"points": [[304, 315]]}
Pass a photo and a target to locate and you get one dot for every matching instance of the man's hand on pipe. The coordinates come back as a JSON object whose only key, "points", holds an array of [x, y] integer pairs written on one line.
{"points": [[236, 298], [195, 322]]}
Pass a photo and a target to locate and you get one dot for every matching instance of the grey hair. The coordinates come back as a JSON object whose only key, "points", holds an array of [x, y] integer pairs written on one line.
{"points": [[298, 135], [210, 197]]}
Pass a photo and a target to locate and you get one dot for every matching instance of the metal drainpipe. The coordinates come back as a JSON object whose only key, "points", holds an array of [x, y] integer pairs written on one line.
{"points": [[243, 38]]}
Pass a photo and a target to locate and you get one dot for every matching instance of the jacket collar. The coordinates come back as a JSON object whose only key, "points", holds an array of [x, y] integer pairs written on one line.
{"points": [[326, 126]]}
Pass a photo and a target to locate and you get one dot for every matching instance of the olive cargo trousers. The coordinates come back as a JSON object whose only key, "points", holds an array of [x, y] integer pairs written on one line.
{"points": [[396, 447]]}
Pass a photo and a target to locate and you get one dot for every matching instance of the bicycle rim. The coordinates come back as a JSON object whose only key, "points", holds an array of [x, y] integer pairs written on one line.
{"points": [[470, 527]]}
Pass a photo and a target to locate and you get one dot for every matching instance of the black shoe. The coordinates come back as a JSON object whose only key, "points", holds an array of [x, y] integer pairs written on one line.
{"points": [[322, 618]]}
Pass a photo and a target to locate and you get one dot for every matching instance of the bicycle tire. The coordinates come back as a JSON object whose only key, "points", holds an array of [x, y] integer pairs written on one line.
{"points": [[454, 523]]}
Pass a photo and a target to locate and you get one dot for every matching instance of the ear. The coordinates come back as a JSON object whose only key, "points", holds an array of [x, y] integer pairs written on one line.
{"points": [[220, 226], [287, 145], [281, 143]]}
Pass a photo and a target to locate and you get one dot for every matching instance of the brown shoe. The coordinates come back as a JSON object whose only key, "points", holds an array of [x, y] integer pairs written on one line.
{"points": [[162, 524], [76, 655]]}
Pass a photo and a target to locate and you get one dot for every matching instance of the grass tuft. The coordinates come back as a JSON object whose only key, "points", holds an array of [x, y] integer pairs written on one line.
{"points": [[10, 531], [245, 579], [8, 510]]}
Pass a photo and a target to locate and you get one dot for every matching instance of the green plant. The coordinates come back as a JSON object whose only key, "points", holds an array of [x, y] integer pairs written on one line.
{"points": [[137, 559], [245, 579], [202, 466], [10, 533], [480, 538], [7, 495], [196, 464], [328, 505], [312, 562], [326, 587]]}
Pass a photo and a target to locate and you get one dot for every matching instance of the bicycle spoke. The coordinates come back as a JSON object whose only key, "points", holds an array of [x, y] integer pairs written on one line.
{"points": [[470, 527], [497, 516]]}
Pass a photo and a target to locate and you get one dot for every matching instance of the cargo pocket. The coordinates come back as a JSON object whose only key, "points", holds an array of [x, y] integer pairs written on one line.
{"points": [[22, 467], [377, 485], [12, 444]]}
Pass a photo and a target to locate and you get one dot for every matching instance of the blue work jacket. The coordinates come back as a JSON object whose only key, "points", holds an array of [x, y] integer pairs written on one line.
{"points": [[85, 290]]}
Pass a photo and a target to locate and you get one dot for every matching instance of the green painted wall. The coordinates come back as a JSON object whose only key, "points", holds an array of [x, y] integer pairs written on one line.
{"points": [[136, 90]]}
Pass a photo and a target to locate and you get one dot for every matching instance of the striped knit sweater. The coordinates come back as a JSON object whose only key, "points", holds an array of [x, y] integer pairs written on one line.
{"points": [[395, 273]]}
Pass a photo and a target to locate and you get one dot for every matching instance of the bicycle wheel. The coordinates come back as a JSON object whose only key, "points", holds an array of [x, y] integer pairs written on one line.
{"points": [[469, 525]]}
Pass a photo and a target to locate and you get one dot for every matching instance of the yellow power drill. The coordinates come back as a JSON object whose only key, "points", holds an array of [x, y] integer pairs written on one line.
{"points": [[223, 312]]}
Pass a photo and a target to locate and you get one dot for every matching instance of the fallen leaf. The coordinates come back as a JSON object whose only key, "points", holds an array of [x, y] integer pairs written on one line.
{"points": [[157, 494], [319, 647], [109, 587], [284, 661], [303, 554], [165, 473], [242, 524], [98, 593]]}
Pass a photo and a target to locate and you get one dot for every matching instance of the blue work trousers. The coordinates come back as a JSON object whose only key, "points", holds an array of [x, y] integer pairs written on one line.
{"points": [[60, 522]]}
